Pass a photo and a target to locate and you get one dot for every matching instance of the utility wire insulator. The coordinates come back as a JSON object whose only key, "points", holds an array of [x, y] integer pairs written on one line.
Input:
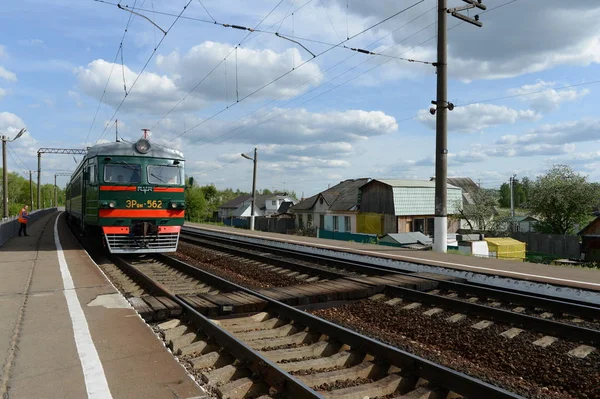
{"points": [[238, 27], [360, 50]]}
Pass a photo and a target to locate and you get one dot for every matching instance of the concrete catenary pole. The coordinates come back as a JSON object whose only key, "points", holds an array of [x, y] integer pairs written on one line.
{"points": [[39, 180], [55, 195], [31, 189], [253, 190], [440, 240], [4, 179]]}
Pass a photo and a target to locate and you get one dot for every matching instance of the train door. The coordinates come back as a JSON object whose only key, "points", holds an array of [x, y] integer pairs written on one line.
{"points": [[90, 201]]}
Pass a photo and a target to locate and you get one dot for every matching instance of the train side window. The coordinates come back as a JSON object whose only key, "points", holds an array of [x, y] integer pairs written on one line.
{"points": [[92, 173]]}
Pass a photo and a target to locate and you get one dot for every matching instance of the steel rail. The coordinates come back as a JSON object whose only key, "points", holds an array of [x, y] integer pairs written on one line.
{"points": [[573, 307], [443, 376], [545, 326], [272, 374], [265, 259]]}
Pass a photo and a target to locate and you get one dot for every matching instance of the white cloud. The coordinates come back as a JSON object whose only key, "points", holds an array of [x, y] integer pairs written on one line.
{"points": [[506, 46], [76, 97], [10, 125], [299, 126], [544, 97], [255, 69], [477, 117], [3, 93], [8, 75], [160, 93], [560, 133]]}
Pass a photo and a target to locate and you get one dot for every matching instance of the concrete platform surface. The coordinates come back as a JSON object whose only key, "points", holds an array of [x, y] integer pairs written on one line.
{"points": [[67, 333], [576, 277]]}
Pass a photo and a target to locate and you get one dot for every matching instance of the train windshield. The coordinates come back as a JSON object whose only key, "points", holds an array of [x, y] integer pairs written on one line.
{"points": [[164, 174], [122, 173]]}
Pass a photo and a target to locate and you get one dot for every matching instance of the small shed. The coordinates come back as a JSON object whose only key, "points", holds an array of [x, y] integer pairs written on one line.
{"points": [[506, 248], [416, 240], [590, 241]]}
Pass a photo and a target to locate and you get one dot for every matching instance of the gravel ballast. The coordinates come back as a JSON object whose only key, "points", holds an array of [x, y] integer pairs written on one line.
{"points": [[514, 364]]}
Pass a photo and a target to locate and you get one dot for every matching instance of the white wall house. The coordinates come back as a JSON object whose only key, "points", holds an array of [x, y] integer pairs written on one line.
{"points": [[334, 209]]}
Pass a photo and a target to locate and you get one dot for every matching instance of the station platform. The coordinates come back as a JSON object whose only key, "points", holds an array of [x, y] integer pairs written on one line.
{"points": [[67, 333], [565, 276]]}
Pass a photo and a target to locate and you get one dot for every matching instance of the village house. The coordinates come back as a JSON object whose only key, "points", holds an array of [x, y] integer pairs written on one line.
{"points": [[407, 205], [334, 209], [266, 205]]}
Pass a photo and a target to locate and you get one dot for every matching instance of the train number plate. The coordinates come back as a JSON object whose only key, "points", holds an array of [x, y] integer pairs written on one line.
{"points": [[150, 204]]}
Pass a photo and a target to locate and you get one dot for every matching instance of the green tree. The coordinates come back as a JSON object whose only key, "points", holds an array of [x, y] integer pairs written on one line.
{"points": [[480, 213], [504, 199], [195, 204], [519, 193], [562, 199]]}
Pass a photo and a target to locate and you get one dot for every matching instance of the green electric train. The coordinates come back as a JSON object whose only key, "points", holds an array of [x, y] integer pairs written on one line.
{"points": [[130, 196]]}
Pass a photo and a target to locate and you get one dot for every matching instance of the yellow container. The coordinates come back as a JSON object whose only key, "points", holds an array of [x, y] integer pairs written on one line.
{"points": [[506, 248]]}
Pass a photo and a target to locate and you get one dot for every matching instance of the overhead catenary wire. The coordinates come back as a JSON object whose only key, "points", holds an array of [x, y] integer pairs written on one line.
{"points": [[202, 4], [144, 67], [219, 64], [119, 49], [299, 66], [205, 142], [417, 115]]}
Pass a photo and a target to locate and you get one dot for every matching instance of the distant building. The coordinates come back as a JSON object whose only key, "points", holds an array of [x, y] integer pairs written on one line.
{"points": [[590, 241], [334, 209], [266, 205], [410, 203]]}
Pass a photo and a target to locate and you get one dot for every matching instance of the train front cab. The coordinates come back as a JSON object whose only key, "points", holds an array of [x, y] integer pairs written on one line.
{"points": [[140, 203]]}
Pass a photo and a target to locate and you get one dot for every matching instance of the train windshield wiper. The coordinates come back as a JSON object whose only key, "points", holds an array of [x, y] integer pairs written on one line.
{"points": [[153, 175]]}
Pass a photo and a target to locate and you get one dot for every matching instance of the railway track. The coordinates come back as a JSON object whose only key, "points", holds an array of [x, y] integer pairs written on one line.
{"points": [[475, 298], [285, 352]]}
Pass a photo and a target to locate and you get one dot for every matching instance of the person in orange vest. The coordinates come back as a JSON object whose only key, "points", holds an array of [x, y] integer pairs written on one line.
{"points": [[23, 218]]}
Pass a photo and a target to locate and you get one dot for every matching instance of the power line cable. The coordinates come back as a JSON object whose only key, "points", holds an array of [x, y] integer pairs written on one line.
{"points": [[219, 64], [200, 1], [144, 67], [131, 16], [296, 68], [204, 142]]}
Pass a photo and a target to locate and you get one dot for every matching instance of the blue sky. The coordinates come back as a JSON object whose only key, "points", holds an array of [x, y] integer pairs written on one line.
{"points": [[524, 87]]}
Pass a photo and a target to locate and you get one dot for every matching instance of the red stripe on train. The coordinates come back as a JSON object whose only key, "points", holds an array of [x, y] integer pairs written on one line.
{"points": [[141, 213]]}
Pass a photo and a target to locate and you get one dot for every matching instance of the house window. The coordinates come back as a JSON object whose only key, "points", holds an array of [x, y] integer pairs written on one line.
{"points": [[300, 221], [322, 221], [336, 223], [309, 220], [347, 223], [273, 202]]}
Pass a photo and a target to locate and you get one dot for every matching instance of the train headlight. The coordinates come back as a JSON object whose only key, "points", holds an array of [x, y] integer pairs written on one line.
{"points": [[173, 205], [142, 146], [112, 204]]}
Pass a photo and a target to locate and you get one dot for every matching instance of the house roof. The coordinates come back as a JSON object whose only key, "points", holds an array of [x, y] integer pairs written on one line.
{"points": [[234, 203], [284, 207], [591, 228], [466, 183], [412, 183], [341, 197], [409, 238], [525, 219], [260, 200]]}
